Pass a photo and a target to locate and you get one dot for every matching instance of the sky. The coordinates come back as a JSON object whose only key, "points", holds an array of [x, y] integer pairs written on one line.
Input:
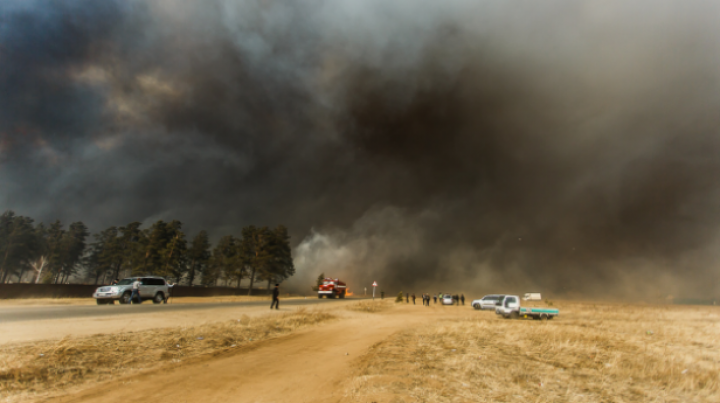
{"points": [[464, 146]]}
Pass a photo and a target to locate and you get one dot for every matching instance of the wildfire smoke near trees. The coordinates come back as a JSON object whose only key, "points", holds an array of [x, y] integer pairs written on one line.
{"points": [[58, 255], [555, 146]]}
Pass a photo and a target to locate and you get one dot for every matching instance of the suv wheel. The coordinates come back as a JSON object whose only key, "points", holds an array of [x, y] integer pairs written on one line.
{"points": [[125, 299], [477, 307], [159, 298]]}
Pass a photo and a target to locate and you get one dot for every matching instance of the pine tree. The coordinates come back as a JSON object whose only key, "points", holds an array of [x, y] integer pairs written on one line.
{"points": [[174, 253], [280, 265], [225, 262], [163, 248], [130, 249], [102, 254], [198, 256], [40, 260], [55, 235], [18, 245], [255, 249], [70, 251]]}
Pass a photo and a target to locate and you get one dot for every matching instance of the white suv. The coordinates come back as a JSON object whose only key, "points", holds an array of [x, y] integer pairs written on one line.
{"points": [[154, 288], [488, 302]]}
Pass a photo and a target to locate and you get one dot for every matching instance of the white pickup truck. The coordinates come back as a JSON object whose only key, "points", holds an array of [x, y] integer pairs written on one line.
{"points": [[510, 308]]}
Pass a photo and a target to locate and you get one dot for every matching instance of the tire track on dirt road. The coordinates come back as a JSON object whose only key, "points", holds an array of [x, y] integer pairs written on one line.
{"points": [[308, 366]]}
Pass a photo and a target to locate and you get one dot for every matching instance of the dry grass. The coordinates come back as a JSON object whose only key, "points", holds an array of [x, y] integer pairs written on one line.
{"points": [[592, 353], [371, 306], [28, 369]]}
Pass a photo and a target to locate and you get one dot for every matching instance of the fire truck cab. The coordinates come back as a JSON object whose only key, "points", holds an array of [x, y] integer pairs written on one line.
{"points": [[331, 288]]}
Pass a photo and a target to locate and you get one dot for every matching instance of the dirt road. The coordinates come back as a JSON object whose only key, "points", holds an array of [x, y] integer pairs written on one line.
{"points": [[313, 365]]}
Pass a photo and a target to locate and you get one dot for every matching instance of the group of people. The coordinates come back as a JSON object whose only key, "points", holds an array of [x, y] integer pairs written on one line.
{"points": [[457, 299]]}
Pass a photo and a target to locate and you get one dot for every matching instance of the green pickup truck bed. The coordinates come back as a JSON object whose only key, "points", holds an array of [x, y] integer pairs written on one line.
{"points": [[524, 311]]}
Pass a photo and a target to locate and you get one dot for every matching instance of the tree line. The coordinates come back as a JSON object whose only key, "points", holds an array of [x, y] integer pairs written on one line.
{"points": [[56, 254]]}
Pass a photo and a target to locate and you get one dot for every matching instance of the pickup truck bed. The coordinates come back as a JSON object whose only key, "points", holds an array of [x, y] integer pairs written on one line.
{"points": [[539, 312], [510, 308]]}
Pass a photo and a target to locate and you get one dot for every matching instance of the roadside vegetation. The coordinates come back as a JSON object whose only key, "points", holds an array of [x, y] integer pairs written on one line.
{"points": [[32, 369], [53, 254], [592, 353]]}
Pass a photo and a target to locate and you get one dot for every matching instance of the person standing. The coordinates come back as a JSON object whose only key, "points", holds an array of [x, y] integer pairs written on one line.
{"points": [[407, 298], [136, 291], [413, 297], [462, 298], [114, 282], [169, 294], [275, 300], [435, 299]]}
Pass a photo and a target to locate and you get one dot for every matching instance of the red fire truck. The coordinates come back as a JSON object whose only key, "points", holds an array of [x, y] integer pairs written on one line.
{"points": [[331, 288]]}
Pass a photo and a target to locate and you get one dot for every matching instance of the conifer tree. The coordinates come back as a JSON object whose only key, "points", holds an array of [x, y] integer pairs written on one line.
{"points": [[280, 265], [198, 256], [18, 245], [256, 252], [224, 262], [174, 253]]}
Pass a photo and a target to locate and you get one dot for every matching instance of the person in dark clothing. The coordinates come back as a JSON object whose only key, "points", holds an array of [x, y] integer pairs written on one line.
{"points": [[275, 300], [407, 298], [170, 290], [435, 299], [413, 297], [462, 298], [114, 282]]}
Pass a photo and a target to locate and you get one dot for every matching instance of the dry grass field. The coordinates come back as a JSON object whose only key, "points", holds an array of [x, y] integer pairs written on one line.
{"points": [[382, 352], [371, 306], [591, 353], [33, 369]]}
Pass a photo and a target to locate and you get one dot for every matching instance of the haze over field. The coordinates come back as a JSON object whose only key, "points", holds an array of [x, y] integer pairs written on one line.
{"points": [[475, 145]]}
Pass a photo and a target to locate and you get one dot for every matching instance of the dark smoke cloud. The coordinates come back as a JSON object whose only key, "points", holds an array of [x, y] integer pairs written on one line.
{"points": [[482, 146]]}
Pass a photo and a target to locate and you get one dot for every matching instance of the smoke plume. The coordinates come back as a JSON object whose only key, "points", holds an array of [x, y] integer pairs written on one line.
{"points": [[470, 146]]}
